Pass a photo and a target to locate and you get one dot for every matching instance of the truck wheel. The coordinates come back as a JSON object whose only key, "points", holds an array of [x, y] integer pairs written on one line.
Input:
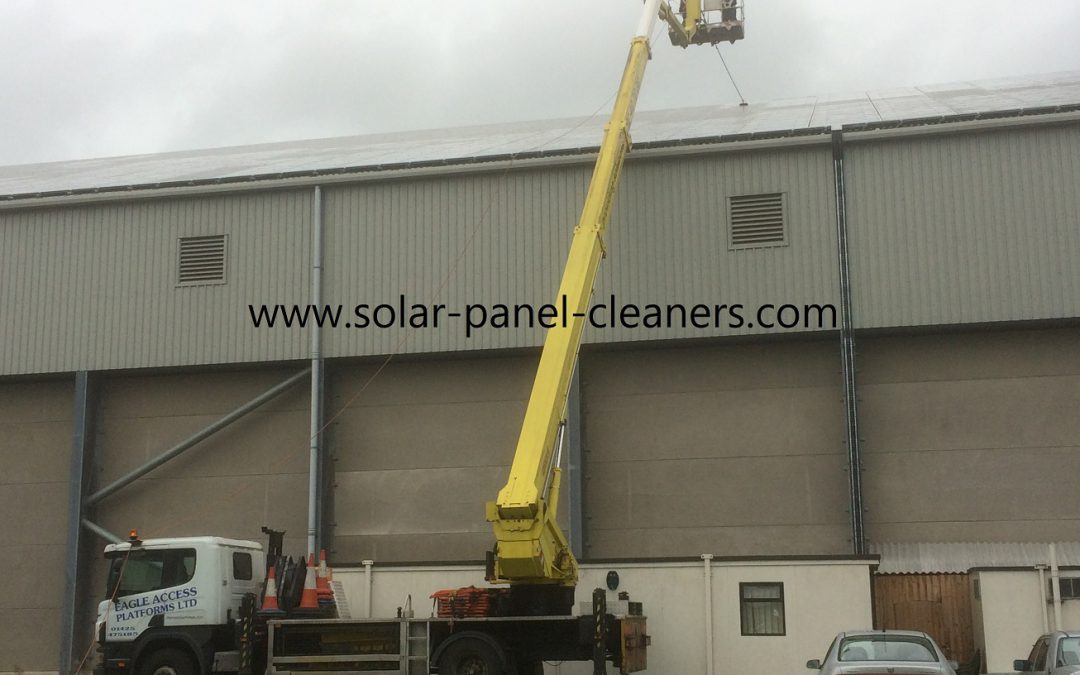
{"points": [[470, 656], [168, 661]]}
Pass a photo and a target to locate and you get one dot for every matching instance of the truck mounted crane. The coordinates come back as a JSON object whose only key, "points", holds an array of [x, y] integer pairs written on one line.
{"points": [[531, 551], [196, 605]]}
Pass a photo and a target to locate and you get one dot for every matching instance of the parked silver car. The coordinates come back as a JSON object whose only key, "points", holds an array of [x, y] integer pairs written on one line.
{"points": [[895, 652], [1056, 653]]}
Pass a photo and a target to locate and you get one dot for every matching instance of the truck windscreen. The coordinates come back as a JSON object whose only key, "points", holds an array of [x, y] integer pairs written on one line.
{"points": [[149, 570]]}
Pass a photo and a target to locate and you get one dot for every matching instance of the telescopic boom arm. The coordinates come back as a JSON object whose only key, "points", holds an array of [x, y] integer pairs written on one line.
{"points": [[530, 546]]}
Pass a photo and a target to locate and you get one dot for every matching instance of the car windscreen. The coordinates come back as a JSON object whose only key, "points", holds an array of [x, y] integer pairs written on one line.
{"points": [[149, 570], [1070, 651], [886, 648]]}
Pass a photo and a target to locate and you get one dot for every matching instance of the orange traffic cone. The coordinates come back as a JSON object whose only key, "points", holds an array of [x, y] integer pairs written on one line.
{"points": [[322, 580], [270, 598], [309, 599]]}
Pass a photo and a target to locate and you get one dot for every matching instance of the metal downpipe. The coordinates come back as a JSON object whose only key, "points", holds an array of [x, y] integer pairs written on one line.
{"points": [[847, 354], [1055, 586], [709, 667], [1042, 598], [368, 587], [315, 428]]}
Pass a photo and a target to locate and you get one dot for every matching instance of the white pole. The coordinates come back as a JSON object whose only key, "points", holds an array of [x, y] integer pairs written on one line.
{"points": [[1042, 598], [1055, 585], [367, 582], [707, 558], [648, 18]]}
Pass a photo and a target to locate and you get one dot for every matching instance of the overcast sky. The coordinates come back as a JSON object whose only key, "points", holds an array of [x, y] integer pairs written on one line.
{"points": [[93, 79]]}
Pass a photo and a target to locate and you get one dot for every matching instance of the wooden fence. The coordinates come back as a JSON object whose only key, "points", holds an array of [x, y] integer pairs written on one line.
{"points": [[938, 604]]}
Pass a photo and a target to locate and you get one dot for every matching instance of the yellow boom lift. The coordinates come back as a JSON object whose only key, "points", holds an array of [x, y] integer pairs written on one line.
{"points": [[531, 551]]}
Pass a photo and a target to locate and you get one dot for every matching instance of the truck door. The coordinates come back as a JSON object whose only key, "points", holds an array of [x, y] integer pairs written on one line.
{"points": [[147, 583], [244, 570]]}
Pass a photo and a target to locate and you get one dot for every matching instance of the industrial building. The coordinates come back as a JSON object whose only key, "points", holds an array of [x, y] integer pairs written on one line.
{"points": [[927, 241]]}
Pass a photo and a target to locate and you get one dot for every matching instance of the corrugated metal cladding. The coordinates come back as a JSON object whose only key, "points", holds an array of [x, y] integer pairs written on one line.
{"points": [[95, 286], [480, 238], [965, 228], [502, 238], [949, 229], [669, 238]]}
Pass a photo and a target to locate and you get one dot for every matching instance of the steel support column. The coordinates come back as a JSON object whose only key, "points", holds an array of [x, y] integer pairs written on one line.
{"points": [[72, 639], [847, 353], [574, 466]]}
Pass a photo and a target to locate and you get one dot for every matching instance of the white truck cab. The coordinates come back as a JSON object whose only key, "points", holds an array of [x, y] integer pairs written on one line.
{"points": [[171, 604]]}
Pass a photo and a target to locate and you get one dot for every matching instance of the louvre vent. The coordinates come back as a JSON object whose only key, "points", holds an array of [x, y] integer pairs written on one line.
{"points": [[201, 260], [756, 220]]}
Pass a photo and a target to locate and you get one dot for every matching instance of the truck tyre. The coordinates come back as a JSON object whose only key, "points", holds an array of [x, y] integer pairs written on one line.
{"points": [[471, 656], [168, 661]]}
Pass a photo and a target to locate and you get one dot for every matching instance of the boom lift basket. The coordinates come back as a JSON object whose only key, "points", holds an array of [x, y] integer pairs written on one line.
{"points": [[721, 21]]}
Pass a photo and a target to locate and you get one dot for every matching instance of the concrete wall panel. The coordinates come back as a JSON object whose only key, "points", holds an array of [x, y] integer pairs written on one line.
{"points": [[250, 474], [630, 542], [22, 564], [426, 435], [30, 639], [419, 447], [35, 452], [960, 427], [701, 493], [735, 448]]}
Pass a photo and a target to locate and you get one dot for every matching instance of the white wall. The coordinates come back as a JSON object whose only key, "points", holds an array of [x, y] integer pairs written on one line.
{"points": [[1009, 614], [1012, 620], [822, 598], [1070, 614]]}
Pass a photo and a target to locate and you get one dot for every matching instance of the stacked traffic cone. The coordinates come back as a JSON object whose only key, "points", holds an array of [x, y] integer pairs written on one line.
{"points": [[270, 597], [309, 599], [322, 581]]}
